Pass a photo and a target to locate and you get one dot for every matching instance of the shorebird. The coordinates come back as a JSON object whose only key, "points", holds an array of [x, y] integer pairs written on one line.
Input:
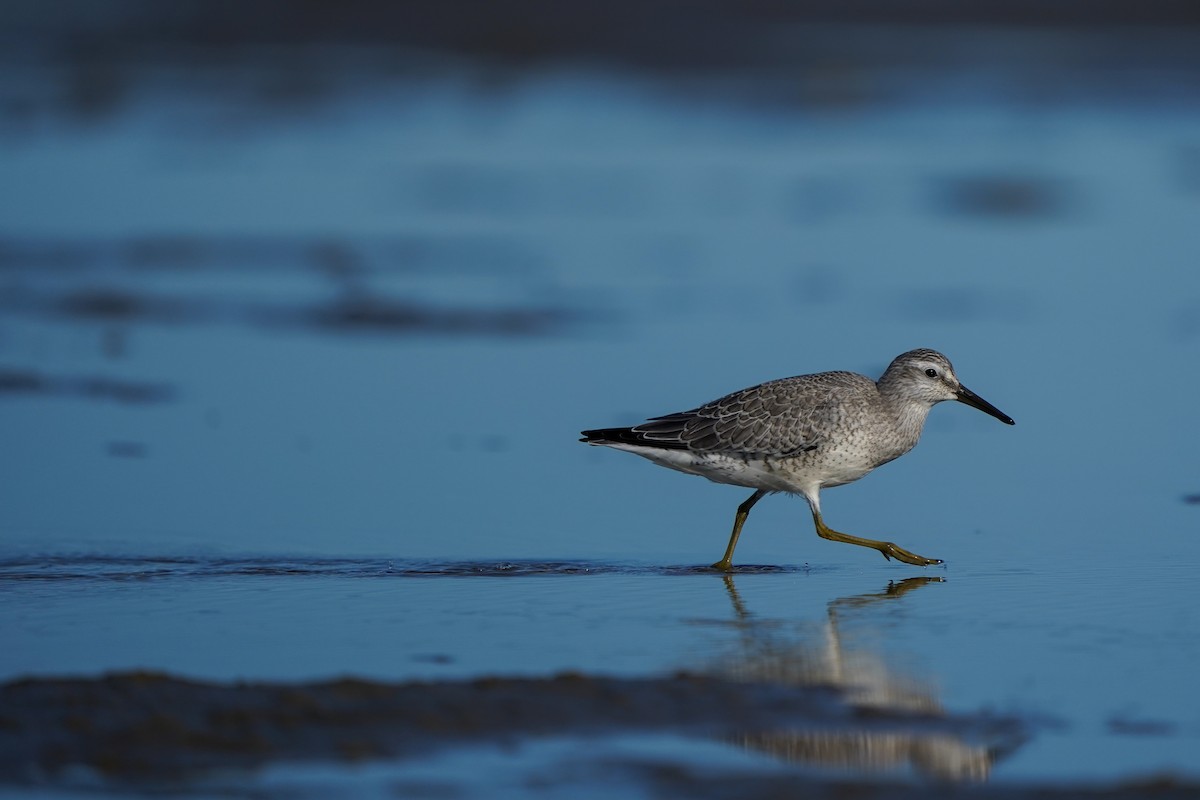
{"points": [[803, 434]]}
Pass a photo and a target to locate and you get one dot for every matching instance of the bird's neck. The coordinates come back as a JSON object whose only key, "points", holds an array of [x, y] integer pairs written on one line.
{"points": [[909, 416], [912, 418]]}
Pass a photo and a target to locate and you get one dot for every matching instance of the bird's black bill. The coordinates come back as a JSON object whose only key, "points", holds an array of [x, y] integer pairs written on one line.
{"points": [[965, 395]]}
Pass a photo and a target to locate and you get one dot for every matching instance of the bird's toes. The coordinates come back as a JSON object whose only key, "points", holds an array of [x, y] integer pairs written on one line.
{"points": [[890, 550]]}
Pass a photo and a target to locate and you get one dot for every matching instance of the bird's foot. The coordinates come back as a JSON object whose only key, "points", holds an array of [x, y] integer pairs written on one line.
{"points": [[723, 566], [891, 550]]}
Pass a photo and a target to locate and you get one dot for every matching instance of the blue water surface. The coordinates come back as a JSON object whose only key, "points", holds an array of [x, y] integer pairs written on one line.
{"points": [[370, 331]]}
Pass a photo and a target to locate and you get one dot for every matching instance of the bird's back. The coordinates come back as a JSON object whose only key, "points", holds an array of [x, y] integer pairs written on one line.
{"points": [[780, 418]]}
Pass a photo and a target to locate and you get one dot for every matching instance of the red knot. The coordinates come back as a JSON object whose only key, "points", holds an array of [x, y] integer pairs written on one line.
{"points": [[803, 434]]}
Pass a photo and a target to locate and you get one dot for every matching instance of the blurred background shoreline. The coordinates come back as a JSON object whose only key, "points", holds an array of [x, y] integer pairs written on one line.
{"points": [[824, 56]]}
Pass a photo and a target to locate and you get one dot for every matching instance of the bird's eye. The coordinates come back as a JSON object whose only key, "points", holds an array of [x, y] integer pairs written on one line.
{"points": [[931, 372]]}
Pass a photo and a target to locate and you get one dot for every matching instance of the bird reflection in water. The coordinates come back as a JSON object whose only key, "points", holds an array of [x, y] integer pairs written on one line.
{"points": [[896, 721]]}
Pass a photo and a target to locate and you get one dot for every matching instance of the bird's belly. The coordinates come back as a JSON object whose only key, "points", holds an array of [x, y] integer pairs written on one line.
{"points": [[803, 474], [799, 475], [752, 472], [843, 475]]}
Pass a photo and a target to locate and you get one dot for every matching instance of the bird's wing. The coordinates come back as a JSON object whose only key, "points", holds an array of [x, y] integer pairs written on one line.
{"points": [[777, 419]]}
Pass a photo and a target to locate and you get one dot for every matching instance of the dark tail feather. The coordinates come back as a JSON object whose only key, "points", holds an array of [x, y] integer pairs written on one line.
{"points": [[602, 435], [644, 434]]}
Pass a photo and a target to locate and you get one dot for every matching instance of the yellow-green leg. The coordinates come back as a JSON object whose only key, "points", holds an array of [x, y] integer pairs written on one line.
{"points": [[888, 549], [726, 563]]}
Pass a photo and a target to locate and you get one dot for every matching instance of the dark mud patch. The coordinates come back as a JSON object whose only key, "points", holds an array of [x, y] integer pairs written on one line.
{"points": [[522, 569], [665, 781], [148, 733], [126, 449], [374, 313], [90, 387], [344, 286], [336, 257], [368, 314], [107, 304], [1002, 196], [95, 567], [119, 305], [147, 728], [1127, 726]]}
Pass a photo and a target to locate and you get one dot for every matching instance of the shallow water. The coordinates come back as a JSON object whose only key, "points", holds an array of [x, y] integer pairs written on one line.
{"points": [[291, 392]]}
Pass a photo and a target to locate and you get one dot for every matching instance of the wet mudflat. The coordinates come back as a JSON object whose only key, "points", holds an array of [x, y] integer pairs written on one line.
{"points": [[555, 673], [298, 328]]}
